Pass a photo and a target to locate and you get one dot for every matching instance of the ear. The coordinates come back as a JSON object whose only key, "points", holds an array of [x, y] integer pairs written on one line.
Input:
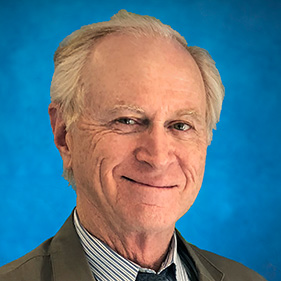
{"points": [[62, 138]]}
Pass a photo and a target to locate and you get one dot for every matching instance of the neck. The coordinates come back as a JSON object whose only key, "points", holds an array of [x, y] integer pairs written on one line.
{"points": [[148, 249]]}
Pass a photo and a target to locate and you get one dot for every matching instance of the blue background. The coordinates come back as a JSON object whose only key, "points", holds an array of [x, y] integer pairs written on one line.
{"points": [[237, 213]]}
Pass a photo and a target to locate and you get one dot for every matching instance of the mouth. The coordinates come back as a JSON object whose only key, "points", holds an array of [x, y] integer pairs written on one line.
{"points": [[148, 184]]}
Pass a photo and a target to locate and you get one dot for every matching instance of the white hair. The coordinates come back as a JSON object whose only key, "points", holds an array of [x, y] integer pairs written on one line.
{"points": [[68, 90]]}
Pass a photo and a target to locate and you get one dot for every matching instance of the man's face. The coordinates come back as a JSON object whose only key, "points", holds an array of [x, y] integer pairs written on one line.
{"points": [[138, 151]]}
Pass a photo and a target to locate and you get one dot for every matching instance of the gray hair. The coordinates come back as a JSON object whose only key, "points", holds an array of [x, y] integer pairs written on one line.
{"points": [[67, 88]]}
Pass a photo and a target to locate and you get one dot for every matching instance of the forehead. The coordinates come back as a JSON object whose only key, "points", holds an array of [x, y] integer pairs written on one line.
{"points": [[124, 68]]}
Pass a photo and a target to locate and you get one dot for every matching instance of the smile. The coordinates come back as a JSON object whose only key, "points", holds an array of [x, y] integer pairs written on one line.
{"points": [[148, 184]]}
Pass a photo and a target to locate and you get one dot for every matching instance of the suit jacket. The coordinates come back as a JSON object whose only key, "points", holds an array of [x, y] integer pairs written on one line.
{"points": [[61, 258]]}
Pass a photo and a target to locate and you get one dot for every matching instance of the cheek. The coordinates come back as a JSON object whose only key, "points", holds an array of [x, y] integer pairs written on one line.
{"points": [[199, 160], [109, 153], [100, 148], [115, 149], [193, 166], [192, 162], [85, 156]]}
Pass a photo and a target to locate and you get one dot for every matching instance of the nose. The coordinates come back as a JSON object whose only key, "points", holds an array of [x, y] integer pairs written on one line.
{"points": [[155, 148]]}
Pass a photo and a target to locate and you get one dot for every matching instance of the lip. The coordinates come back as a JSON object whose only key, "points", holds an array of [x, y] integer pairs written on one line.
{"points": [[150, 183]]}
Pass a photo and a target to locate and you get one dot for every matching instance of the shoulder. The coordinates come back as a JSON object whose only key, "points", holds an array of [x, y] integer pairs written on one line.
{"points": [[214, 266], [36, 262], [231, 269]]}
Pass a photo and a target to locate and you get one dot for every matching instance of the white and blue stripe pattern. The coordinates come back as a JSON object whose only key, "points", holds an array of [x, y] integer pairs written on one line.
{"points": [[107, 265]]}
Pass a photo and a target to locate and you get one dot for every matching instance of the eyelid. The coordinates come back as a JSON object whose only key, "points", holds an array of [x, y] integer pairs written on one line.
{"points": [[136, 120], [139, 124], [181, 122]]}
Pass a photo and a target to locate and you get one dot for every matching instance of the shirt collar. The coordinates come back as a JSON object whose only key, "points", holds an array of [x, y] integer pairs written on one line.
{"points": [[106, 264]]}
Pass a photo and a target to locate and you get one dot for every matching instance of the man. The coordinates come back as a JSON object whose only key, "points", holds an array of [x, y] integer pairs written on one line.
{"points": [[132, 114]]}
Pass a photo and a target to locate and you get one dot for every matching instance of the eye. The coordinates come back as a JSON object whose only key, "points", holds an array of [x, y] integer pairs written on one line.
{"points": [[126, 125], [181, 126], [126, 121]]}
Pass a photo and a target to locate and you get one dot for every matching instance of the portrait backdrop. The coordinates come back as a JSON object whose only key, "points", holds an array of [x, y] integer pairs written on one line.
{"points": [[237, 213]]}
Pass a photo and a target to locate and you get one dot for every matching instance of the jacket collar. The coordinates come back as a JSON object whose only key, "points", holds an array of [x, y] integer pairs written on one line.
{"points": [[69, 262], [68, 259], [207, 271]]}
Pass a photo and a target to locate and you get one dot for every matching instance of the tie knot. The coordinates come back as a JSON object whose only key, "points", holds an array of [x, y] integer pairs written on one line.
{"points": [[145, 276]]}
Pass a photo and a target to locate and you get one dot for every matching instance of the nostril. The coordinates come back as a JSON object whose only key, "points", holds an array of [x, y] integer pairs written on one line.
{"points": [[143, 155]]}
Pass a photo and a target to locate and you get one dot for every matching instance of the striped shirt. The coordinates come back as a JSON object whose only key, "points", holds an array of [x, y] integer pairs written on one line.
{"points": [[107, 265]]}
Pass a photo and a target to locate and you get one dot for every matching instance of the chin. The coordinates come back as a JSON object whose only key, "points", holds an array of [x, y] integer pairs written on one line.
{"points": [[148, 219]]}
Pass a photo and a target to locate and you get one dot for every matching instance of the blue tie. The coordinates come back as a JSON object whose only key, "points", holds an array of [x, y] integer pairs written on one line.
{"points": [[144, 276]]}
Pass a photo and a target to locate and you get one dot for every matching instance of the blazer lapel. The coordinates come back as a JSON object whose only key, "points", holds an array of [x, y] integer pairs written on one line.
{"points": [[68, 259], [206, 270]]}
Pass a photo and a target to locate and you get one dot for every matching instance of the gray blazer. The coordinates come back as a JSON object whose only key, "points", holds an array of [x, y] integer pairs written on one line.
{"points": [[61, 258]]}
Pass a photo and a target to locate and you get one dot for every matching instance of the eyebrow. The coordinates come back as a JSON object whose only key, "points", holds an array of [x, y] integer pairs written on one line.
{"points": [[190, 112], [185, 112], [132, 108]]}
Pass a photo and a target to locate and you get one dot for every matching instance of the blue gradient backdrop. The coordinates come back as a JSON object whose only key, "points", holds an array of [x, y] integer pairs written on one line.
{"points": [[237, 213]]}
